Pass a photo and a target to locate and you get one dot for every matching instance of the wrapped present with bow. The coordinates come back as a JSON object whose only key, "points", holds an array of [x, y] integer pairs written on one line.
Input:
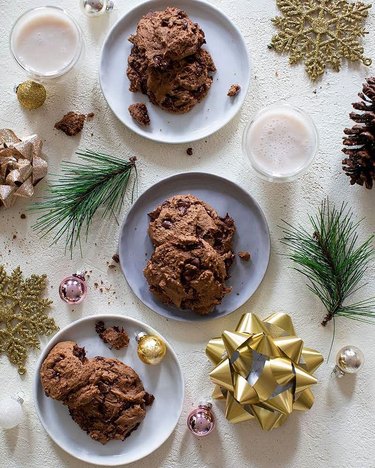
{"points": [[263, 370], [22, 166]]}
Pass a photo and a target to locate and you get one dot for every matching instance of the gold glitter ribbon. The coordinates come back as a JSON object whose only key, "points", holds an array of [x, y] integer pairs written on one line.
{"points": [[21, 166], [263, 370]]}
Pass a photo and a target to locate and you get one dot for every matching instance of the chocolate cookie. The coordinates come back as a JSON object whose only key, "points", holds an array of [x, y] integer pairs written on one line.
{"points": [[105, 397], [186, 215], [188, 273], [166, 36], [167, 62], [185, 83]]}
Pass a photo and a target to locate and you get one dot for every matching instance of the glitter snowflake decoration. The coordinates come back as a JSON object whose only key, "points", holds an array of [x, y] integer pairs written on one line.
{"points": [[23, 315], [320, 33]]}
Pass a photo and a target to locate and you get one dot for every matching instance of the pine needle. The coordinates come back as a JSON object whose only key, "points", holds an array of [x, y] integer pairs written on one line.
{"points": [[331, 260], [82, 188]]}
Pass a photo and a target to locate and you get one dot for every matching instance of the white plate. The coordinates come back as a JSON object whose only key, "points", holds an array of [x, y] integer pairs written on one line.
{"points": [[228, 49], [164, 381], [252, 234]]}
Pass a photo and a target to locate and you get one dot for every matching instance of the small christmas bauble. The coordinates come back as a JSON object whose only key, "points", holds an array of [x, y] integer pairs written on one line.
{"points": [[11, 413], [31, 95], [349, 360], [73, 288], [151, 349], [201, 421], [96, 7]]}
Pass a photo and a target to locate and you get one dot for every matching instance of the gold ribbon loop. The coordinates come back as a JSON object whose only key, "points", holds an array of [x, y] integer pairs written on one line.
{"points": [[21, 166]]}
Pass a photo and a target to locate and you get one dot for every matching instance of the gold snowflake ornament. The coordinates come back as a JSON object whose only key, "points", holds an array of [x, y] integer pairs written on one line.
{"points": [[321, 33], [23, 315]]}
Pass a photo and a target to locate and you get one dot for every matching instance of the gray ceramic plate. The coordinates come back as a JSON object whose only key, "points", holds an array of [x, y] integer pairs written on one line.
{"points": [[135, 247], [228, 49], [165, 381]]}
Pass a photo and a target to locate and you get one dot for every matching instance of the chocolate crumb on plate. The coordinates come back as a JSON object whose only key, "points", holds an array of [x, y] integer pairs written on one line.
{"points": [[71, 124], [244, 255], [90, 115], [139, 113], [115, 337], [116, 258], [189, 151], [234, 90]]}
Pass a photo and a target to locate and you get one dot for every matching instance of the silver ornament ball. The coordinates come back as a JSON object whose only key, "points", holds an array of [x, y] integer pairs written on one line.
{"points": [[11, 413], [349, 360], [96, 7]]}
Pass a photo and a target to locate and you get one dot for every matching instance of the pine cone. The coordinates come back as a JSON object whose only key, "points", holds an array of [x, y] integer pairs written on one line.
{"points": [[359, 164]]}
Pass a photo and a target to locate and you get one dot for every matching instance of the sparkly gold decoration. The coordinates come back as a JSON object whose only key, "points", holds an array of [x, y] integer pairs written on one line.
{"points": [[263, 370], [31, 95], [21, 166], [23, 315], [151, 349], [321, 33]]}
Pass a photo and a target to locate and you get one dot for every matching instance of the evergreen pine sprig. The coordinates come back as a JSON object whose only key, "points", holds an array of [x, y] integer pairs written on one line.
{"points": [[330, 258], [82, 188]]}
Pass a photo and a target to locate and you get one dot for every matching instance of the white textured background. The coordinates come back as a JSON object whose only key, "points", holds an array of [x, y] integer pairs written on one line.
{"points": [[339, 430]]}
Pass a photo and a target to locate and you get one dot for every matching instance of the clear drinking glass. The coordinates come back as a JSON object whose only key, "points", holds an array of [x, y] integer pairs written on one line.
{"points": [[32, 24], [281, 142]]}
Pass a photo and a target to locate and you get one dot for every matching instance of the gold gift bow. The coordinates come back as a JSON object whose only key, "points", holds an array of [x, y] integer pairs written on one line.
{"points": [[21, 166], [283, 385]]}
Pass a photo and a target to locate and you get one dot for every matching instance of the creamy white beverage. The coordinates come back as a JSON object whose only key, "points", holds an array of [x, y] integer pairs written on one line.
{"points": [[280, 142], [46, 41]]}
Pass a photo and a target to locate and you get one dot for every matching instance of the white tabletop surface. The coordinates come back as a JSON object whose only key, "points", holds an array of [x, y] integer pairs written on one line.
{"points": [[339, 430]]}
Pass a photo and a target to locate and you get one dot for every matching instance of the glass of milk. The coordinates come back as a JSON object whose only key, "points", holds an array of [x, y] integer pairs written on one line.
{"points": [[46, 42], [280, 142]]}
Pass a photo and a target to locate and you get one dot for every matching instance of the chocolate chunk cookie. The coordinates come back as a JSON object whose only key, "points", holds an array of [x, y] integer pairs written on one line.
{"points": [[185, 83], [186, 216], [167, 62], [104, 396], [188, 273], [166, 36]]}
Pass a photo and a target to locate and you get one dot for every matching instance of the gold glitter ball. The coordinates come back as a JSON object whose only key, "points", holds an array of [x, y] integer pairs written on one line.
{"points": [[321, 33], [151, 349], [31, 95]]}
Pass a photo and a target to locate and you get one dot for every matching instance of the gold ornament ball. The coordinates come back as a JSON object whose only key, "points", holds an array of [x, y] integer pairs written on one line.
{"points": [[31, 95], [151, 349]]}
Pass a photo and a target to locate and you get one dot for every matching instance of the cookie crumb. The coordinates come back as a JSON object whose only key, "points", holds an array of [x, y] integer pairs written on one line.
{"points": [[115, 337], [71, 124], [116, 258], [90, 116], [14, 236], [139, 113], [244, 255], [23, 216], [189, 151], [234, 90]]}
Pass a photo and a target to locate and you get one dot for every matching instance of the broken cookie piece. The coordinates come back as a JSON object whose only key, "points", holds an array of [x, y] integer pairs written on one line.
{"points": [[244, 255], [71, 124], [234, 90], [115, 337], [139, 113]]}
